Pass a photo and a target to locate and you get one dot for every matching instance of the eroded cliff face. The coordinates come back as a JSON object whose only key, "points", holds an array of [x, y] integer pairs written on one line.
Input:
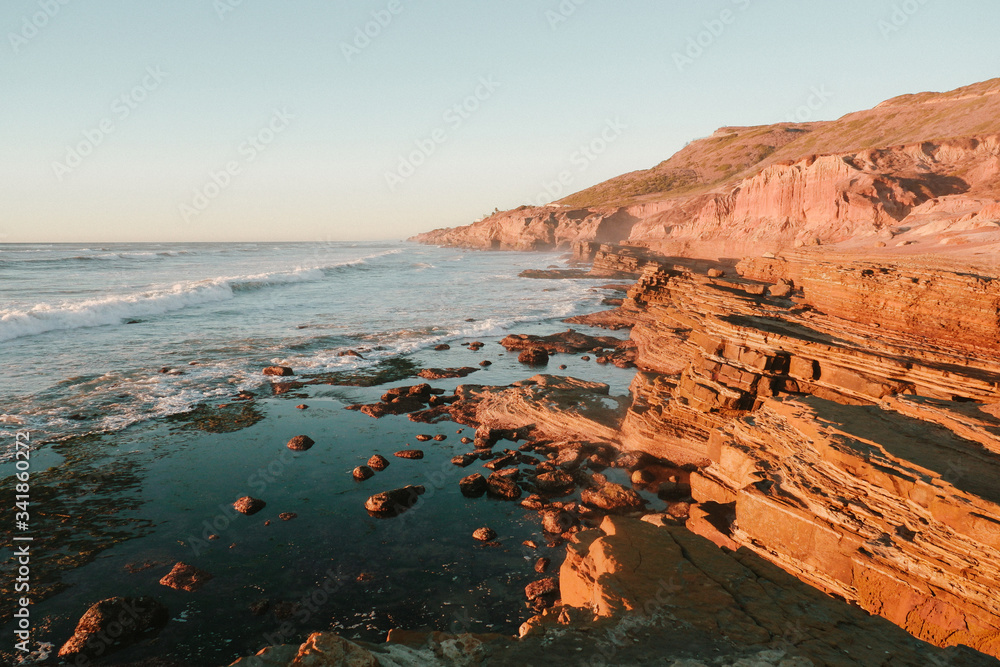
{"points": [[941, 197], [843, 421]]}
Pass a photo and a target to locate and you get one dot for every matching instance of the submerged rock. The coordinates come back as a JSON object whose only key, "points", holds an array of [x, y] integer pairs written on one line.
{"points": [[185, 577]]}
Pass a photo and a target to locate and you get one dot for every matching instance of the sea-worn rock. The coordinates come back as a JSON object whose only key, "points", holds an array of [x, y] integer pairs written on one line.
{"points": [[446, 373], [361, 473], [502, 487], [185, 577], [534, 356], [278, 370], [473, 485], [248, 505], [301, 443], [485, 534], [378, 462], [394, 502], [549, 586], [613, 498], [112, 624], [464, 460], [410, 454], [555, 482]]}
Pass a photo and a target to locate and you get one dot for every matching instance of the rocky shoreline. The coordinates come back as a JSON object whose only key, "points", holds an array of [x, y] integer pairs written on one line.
{"points": [[818, 467]]}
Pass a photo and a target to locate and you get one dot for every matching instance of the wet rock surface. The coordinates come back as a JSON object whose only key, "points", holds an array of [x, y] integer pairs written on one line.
{"points": [[112, 624]]}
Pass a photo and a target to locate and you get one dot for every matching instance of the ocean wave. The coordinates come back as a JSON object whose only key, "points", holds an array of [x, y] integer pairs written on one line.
{"points": [[43, 317]]}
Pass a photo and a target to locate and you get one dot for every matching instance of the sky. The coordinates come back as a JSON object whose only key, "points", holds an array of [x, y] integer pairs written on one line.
{"points": [[328, 120]]}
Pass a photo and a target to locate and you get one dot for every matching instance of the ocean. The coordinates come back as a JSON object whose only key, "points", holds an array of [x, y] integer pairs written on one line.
{"points": [[125, 364], [86, 329]]}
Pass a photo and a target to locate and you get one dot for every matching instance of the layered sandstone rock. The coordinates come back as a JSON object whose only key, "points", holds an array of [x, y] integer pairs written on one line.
{"points": [[915, 174]]}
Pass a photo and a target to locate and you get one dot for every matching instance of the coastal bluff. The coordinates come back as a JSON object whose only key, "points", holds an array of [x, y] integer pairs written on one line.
{"points": [[916, 174]]}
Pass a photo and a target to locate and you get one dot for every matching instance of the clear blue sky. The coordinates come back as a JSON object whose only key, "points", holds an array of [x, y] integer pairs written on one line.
{"points": [[116, 114]]}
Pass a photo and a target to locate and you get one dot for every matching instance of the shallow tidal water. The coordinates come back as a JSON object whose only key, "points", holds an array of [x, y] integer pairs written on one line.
{"points": [[114, 509]]}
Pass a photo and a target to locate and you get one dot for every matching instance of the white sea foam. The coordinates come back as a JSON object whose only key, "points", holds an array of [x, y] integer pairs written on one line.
{"points": [[44, 317]]}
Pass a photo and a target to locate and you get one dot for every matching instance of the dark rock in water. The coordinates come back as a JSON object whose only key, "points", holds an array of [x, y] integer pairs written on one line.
{"points": [[278, 370], [633, 460], [485, 534], [673, 489], [423, 437], [485, 362], [185, 577], [534, 502], [473, 486], [134, 322], [440, 437], [260, 607], [410, 454], [445, 373], [555, 482], [466, 440], [303, 406], [300, 443], [535, 356], [503, 488], [421, 392], [613, 498], [641, 477], [350, 353], [442, 347], [249, 505], [397, 406], [541, 565], [543, 587], [585, 358], [391, 503], [464, 460], [287, 516], [378, 462], [562, 367], [557, 521], [502, 462], [112, 624], [361, 473]]}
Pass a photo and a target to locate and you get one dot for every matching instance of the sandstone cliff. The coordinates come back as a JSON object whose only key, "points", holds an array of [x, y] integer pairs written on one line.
{"points": [[917, 174]]}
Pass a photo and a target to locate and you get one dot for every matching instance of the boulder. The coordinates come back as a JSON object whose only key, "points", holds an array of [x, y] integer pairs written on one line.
{"points": [[473, 486], [613, 498], [485, 534], [280, 371], [361, 473], [126, 619], [502, 487], [300, 443], [378, 462], [535, 356], [248, 505], [185, 577], [394, 502], [410, 454]]}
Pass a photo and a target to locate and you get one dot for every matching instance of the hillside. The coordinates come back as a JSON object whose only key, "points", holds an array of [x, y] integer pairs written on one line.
{"points": [[917, 174]]}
